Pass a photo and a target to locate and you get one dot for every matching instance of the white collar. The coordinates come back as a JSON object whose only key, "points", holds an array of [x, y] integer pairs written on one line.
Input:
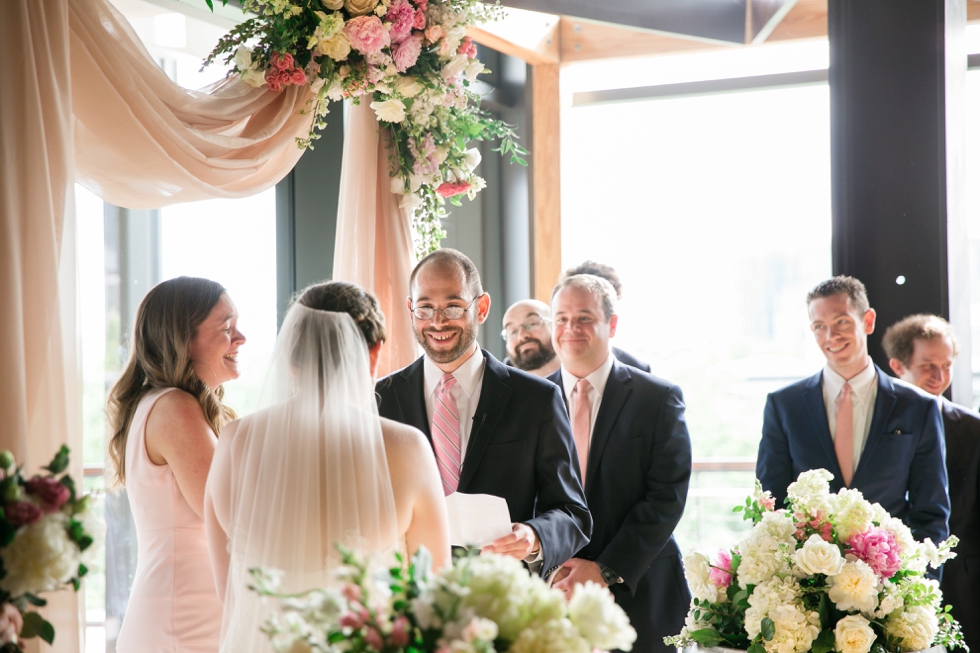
{"points": [[597, 378], [467, 375], [860, 383]]}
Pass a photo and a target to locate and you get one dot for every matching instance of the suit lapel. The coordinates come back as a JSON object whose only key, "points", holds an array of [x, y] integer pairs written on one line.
{"points": [[614, 397], [410, 395], [494, 395], [817, 412], [884, 403]]}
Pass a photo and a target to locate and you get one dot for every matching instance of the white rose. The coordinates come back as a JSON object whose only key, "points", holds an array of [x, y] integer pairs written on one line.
{"points": [[359, 7], [337, 47], [389, 111], [697, 570], [335, 92], [243, 58], [853, 635], [408, 86], [819, 557], [333, 5], [455, 66], [855, 587], [916, 626], [594, 612], [472, 158], [473, 68]]}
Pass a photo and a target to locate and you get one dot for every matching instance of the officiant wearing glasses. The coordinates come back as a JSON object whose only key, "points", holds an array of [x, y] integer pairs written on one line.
{"points": [[494, 429]]}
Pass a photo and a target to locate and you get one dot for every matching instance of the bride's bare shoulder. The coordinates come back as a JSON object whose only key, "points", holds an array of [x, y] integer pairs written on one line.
{"points": [[403, 440]]}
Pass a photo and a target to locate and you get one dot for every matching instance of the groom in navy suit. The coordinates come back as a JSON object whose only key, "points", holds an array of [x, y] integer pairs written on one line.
{"points": [[494, 429], [634, 449], [876, 434]]}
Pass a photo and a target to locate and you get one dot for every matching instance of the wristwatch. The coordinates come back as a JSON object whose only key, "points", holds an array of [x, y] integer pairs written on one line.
{"points": [[609, 576]]}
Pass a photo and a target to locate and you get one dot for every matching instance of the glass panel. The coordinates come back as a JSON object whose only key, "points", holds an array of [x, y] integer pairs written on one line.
{"points": [[715, 212], [972, 204]]}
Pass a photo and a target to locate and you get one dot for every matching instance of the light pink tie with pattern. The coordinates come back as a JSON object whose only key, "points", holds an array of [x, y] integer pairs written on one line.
{"points": [[844, 434], [445, 434], [582, 423]]}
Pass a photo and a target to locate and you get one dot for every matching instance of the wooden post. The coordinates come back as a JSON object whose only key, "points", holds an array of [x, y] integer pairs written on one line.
{"points": [[545, 164]]}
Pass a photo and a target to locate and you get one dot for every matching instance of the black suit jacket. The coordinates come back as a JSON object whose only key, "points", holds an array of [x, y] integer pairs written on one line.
{"points": [[520, 448], [961, 575], [636, 484]]}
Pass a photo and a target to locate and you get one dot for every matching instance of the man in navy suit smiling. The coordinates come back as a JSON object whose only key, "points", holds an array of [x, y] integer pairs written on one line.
{"points": [[876, 434]]}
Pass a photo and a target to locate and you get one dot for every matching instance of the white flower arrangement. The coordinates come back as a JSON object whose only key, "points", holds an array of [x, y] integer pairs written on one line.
{"points": [[482, 604], [831, 572]]}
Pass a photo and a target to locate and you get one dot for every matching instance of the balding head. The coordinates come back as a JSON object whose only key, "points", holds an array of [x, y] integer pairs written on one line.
{"points": [[448, 263]]}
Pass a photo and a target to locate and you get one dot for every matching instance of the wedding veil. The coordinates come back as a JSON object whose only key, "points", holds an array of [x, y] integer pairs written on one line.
{"points": [[305, 472]]}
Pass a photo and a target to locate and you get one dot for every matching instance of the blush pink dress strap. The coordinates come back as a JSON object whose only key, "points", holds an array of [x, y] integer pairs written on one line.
{"points": [[173, 607]]}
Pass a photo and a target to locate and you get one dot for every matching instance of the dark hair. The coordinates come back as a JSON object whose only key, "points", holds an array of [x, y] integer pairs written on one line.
{"points": [[346, 297], [597, 269], [899, 340], [446, 258], [839, 285], [600, 288], [166, 322]]}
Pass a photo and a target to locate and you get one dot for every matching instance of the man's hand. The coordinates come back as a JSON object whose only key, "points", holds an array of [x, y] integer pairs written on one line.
{"points": [[579, 571], [520, 543]]}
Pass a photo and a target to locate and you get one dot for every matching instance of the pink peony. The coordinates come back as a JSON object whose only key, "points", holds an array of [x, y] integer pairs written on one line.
{"points": [[373, 638], [282, 61], [419, 22], [877, 547], [11, 623], [447, 189], [721, 571], [467, 47], [399, 632], [402, 18], [22, 513], [52, 494], [407, 53], [367, 34]]}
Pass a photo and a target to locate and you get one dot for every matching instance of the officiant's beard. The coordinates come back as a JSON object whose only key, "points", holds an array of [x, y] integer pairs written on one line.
{"points": [[467, 335], [535, 358]]}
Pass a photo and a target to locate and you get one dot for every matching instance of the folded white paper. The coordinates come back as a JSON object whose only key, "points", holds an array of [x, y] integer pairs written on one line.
{"points": [[476, 520]]}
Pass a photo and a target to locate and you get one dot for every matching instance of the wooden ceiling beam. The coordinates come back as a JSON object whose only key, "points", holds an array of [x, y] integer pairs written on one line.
{"points": [[527, 35]]}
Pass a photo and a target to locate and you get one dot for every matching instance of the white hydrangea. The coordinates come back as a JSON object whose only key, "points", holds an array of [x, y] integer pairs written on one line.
{"points": [[600, 621], [902, 533], [811, 486], [780, 600], [554, 636], [851, 513], [767, 549], [891, 599], [915, 627], [856, 587], [41, 558]]}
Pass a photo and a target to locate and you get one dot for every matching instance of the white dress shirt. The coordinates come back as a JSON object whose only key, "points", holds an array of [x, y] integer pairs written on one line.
{"points": [[864, 391], [466, 392], [597, 382]]}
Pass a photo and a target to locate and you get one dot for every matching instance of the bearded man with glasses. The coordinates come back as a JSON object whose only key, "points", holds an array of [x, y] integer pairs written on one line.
{"points": [[494, 429], [527, 338]]}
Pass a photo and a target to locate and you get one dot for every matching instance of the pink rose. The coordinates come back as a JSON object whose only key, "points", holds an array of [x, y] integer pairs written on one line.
{"points": [[419, 22], [352, 592], [297, 76], [447, 189], [402, 18], [434, 32], [52, 494], [422, 4], [877, 547], [721, 571], [407, 53], [22, 513], [351, 620], [399, 632], [467, 47], [373, 638], [11, 623], [282, 61], [273, 81], [367, 34]]}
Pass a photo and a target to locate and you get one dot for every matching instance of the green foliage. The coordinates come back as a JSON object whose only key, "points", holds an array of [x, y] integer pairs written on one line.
{"points": [[824, 643], [59, 463], [37, 626]]}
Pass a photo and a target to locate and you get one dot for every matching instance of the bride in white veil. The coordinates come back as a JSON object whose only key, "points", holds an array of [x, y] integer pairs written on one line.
{"points": [[316, 465]]}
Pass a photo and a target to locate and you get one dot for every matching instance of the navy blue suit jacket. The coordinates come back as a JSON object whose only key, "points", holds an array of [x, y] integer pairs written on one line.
{"points": [[902, 467], [520, 449], [636, 483]]}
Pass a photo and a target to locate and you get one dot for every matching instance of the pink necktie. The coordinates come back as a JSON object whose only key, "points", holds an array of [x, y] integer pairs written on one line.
{"points": [[445, 434], [582, 423], [844, 434]]}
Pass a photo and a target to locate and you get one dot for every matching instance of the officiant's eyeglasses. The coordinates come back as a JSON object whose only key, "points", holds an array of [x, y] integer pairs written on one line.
{"points": [[529, 326], [451, 312]]}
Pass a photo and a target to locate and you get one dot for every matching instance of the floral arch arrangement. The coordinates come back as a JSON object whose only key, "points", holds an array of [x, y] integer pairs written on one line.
{"points": [[411, 59]]}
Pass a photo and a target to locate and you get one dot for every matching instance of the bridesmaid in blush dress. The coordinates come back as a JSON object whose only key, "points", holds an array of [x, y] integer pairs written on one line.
{"points": [[166, 411]]}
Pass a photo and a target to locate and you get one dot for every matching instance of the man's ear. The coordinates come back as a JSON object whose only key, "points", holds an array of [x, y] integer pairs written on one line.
{"points": [[613, 321], [897, 367], [869, 321], [483, 308]]}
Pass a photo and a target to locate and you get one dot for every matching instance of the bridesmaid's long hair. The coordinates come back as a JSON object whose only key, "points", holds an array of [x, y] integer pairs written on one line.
{"points": [[166, 322]]}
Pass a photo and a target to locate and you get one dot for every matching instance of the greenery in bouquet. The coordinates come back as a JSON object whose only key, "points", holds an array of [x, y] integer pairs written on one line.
{"points": [[830, 572], [482, 604], [410, 59], [46, 538]]}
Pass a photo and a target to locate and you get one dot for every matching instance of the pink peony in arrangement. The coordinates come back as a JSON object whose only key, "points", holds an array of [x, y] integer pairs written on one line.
{"points": [[877, 547], [367, 34]]}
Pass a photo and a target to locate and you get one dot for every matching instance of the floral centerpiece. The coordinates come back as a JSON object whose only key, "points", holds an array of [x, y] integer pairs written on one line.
{"points": [[831, 572], [481, 604], [46, 537], [411, 59]]}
